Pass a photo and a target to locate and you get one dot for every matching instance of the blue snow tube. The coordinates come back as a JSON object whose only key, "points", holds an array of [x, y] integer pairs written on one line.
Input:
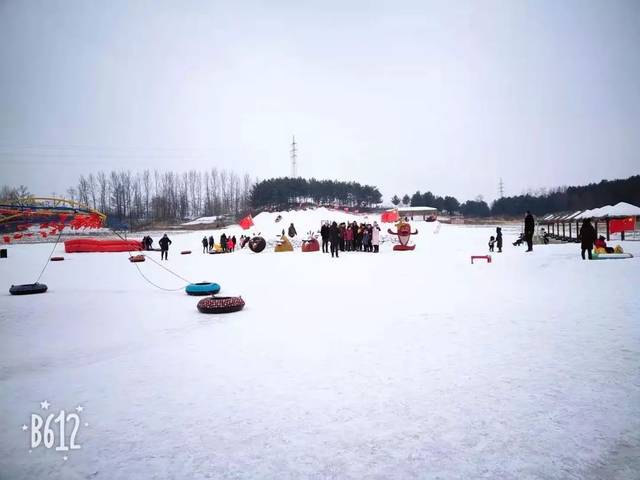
{"points": [[202, 288]]}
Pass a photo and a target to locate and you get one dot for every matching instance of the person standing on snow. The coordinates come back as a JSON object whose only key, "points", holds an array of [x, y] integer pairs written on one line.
{"points": [[348, 238], [499, 239], [334, 239], [587, 237], [223, 242], [164, 247], [211, 242], [529, 227], [292, 231], [205, 244], [375, 237], [324, 233]]}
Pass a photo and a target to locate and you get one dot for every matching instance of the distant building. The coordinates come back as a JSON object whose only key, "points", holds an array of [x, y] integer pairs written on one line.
{"points": [[417, 213]]}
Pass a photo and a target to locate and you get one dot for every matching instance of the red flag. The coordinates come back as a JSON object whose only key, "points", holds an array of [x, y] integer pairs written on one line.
{"points": [[246, 223], [622, 224], [390, 216]]}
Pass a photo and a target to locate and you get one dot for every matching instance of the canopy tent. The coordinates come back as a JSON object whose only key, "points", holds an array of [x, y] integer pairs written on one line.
{"points": [[624, 209], [619, 210]]}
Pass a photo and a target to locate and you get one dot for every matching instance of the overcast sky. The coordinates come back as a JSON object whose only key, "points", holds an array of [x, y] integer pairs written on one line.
{"points": [[442, 96]]}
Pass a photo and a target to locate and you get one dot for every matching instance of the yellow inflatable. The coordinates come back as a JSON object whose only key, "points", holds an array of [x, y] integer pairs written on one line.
{"points": [[283, 245]]}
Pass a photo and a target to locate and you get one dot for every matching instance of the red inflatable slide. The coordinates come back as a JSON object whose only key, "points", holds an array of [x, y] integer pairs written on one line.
{"points": [[80, 245]]}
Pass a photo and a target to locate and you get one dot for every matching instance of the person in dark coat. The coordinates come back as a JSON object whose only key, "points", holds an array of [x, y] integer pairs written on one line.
{"points": [[223, 242], [499, 239], [164, 247], [324, 233], [211, 242], [588, 236], [205, 244], [292, 231], [529, 227], [334, 239]]}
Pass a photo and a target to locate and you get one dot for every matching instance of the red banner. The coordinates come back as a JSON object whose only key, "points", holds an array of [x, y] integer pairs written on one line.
{"points": [[390, 217], [246, 223], [622, 225]]}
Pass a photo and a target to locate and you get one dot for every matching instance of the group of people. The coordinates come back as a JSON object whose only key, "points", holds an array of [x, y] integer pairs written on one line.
{"points": [[227, 244], [349, 237], [588, 236], [496, 242], [589, 239], [164, 242]]}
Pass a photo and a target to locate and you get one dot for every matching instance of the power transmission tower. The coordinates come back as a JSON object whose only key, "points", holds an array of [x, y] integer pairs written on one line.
{"points": [[294, 158], [501, 188]]}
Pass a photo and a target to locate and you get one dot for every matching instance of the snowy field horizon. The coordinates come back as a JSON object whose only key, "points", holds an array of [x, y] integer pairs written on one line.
{"points": [[413, 364]]}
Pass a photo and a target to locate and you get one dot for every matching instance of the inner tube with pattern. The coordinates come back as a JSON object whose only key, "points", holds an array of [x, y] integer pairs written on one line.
{"points": [[220, 304], [202, 288], [28, 289], [257, 244]]}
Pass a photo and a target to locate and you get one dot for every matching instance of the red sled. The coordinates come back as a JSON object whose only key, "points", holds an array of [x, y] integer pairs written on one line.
{"points": [[401, 247]]}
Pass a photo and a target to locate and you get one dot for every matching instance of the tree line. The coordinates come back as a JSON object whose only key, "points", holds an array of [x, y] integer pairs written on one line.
{"points": [[147, 197], [280, 193], [593, 195]]}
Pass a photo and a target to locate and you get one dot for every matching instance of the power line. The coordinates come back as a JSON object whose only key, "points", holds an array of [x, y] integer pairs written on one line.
{"points": [[501, 188], [294, 158]]}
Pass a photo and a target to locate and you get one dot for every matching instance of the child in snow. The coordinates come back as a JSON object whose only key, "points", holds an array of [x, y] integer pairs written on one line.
{"points": [[492, 241]]}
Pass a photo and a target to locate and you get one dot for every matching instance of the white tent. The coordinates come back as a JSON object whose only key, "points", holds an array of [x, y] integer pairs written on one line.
{"points": [[623, 209], [595, 212]]}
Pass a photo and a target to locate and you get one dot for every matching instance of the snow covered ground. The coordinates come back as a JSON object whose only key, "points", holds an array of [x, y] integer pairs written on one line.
{"points": [[396, 365]]}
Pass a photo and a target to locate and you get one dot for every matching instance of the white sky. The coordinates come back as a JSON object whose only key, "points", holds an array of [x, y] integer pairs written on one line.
{"points": [[441, 96]]}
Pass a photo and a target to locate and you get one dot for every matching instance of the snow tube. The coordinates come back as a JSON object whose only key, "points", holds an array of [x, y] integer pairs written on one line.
{"points": [[185, 252], [56, 259], [257, 244], [220, 304], [136, 258], [28, 289], [311, 245], [610, 256], [283, 245], [202, 288], [82, 245]]}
